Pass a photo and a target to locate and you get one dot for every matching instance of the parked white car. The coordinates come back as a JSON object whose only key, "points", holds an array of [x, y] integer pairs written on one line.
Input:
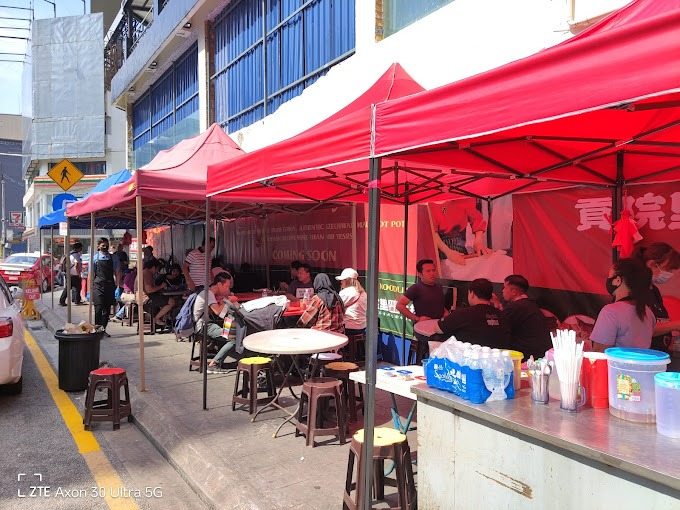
{"points": [[11, 339]]}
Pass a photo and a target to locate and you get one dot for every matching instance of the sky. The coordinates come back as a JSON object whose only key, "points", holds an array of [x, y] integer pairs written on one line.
{"points": [[10, 72]]}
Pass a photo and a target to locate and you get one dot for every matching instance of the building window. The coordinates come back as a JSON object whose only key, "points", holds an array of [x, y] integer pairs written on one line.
{"points": [[398, 14], [263, 59], [168, 112], [87, 167]]}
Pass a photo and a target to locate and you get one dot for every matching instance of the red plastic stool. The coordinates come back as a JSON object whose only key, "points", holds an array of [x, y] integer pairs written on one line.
{"points": [[113, 408]]}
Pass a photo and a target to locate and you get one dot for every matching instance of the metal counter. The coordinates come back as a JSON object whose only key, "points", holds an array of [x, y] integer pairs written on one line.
{"points": [[531, 452]]}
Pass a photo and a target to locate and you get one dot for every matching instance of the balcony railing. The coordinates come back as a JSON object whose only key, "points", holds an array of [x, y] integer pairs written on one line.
{"points": [[124, 38]]}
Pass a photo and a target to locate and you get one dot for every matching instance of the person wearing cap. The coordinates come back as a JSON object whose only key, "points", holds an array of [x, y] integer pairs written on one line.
{"points": [[355, 299]]}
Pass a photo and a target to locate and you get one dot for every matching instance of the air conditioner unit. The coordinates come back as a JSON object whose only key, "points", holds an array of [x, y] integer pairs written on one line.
{"points": [[183, 33]]}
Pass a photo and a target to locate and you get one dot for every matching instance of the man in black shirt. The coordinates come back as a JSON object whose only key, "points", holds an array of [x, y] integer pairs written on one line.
{"points": [[529, 328], [480, 323]]}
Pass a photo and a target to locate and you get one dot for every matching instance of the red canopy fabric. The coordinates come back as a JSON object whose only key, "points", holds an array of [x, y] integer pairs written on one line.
{"points": [[338, 141], [599, 108], [172, 185]]}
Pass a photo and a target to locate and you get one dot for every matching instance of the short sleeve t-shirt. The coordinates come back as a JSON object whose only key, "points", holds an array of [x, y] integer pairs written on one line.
{"points": [[355, 307], [618, 325], [199, 306], [428, 300], [297, 285], [529, 328], [479, 324]]}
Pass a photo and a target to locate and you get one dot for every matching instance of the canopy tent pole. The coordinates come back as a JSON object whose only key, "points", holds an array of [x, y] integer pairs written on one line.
{"points": [[41, 247], [265, 244], [404, 282], [90, 276], [206, 307], [172, 246], [52, 252], [354, 235], [488, 224], [67, 246], [617, 198], [371, 324], [140, 290]]}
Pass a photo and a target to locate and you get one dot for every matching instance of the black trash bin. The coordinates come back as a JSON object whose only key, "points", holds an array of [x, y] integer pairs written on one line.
{"points": [[78, 356]]}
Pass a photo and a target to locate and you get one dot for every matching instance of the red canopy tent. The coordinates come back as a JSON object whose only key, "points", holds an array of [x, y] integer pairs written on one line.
{"points": [[602, 109], [332, 155], [172, 186]]}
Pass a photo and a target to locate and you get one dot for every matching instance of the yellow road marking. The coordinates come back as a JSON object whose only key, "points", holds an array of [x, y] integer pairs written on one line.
{"points": [[100, 467]]}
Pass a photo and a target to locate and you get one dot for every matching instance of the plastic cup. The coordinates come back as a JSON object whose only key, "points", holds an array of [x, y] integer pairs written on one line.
{"points": [[517, 358]]}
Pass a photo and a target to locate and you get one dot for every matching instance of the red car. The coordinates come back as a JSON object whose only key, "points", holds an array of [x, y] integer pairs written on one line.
{"points": [[19, 266]]}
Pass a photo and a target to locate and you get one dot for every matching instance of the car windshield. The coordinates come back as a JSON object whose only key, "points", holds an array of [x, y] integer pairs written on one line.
{"points": [[21, 259]]}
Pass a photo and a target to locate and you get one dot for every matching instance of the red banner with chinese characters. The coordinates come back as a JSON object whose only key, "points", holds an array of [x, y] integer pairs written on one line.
{"points": [[562, 238]]}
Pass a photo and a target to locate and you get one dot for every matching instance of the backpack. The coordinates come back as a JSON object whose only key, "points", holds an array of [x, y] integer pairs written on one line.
{"points": [[184, 322]]}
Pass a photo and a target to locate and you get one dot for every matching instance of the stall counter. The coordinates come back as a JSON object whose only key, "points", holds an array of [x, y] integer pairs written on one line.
{"points": [[515, 454]]}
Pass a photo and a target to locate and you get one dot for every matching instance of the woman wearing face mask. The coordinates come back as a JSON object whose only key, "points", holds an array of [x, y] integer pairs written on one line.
{"points": [[662, 259], [628, 321]]}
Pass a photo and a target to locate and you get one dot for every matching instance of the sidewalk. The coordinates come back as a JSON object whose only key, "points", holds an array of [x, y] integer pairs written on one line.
{"points": [[229, 461]]}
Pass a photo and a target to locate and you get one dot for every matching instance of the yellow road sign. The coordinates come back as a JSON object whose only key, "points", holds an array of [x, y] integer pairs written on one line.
{"points": [[65, 174]]}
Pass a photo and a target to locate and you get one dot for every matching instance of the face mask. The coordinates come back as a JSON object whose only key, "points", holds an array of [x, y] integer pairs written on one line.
{"points": [[662, 277], [611, 288], [104, 248]]}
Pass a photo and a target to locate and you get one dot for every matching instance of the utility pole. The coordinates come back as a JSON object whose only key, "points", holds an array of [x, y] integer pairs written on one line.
{"points": [[4, 220]]}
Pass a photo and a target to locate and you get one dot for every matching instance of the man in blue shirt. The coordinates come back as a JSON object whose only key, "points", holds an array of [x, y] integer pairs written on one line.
{"points": [[103, 277]]}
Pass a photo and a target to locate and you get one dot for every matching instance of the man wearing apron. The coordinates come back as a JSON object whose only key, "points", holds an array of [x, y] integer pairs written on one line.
{"points": [[104, 271]]}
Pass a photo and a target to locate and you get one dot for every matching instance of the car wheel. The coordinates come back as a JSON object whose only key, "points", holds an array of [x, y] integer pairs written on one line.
{"points": [[13, 389], [45, 285]]}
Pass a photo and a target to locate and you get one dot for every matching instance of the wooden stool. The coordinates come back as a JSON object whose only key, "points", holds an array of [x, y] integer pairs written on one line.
{"points": [[388, 444], [341, 370], [251, 367], [147, 318], [113, 408], [313, 390], [352, 343]]}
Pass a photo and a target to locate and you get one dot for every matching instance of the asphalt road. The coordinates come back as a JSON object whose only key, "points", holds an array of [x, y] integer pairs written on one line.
{"points": [[41, 466]]}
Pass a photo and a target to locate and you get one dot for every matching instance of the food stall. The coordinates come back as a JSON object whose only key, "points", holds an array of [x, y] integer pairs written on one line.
{"points": [[518, 454]]}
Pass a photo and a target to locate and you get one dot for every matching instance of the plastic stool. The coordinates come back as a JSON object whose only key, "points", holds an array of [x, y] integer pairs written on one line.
{"points": [[388, 444], [341, 370], [323, 359], [113, 408], [247, 394], [313, 390]]}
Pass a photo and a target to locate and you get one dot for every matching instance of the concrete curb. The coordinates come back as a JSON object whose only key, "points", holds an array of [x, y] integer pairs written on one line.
{"points": [[217, 485]]}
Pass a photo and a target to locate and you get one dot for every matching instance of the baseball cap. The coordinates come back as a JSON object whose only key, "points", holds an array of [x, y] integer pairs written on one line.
{"points": [[347, 273]]}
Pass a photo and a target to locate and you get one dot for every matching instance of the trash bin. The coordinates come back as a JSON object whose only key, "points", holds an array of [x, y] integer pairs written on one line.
{"points": [[78, 356]]}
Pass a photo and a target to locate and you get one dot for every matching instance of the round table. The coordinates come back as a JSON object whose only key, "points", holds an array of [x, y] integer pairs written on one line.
{"points": [[294, 341], [426, 328], [291, 342]]}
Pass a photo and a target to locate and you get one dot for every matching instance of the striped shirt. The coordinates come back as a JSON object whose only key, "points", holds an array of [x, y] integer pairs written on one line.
{"points": [[196, 261]]}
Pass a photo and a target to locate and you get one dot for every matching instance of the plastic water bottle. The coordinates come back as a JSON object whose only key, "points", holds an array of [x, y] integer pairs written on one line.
{"points": [[493, 373], [486, 349], [509, 369]]}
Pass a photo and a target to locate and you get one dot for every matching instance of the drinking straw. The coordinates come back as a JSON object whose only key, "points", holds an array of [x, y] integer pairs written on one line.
{"points": [[568, 358]]}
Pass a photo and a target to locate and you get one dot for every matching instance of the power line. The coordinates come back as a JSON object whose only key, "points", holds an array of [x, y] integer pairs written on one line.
{"points": [[14, 7], [13, 37]]}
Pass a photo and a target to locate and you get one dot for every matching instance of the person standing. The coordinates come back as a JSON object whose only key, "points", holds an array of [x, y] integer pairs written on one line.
{"points": [[529, 328], [427, 295], [194, 265], [75, 265], [428, 303], [102, 278]]}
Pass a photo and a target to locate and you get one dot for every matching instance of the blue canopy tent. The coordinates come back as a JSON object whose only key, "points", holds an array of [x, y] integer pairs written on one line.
{"points": [[59, 216]]}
